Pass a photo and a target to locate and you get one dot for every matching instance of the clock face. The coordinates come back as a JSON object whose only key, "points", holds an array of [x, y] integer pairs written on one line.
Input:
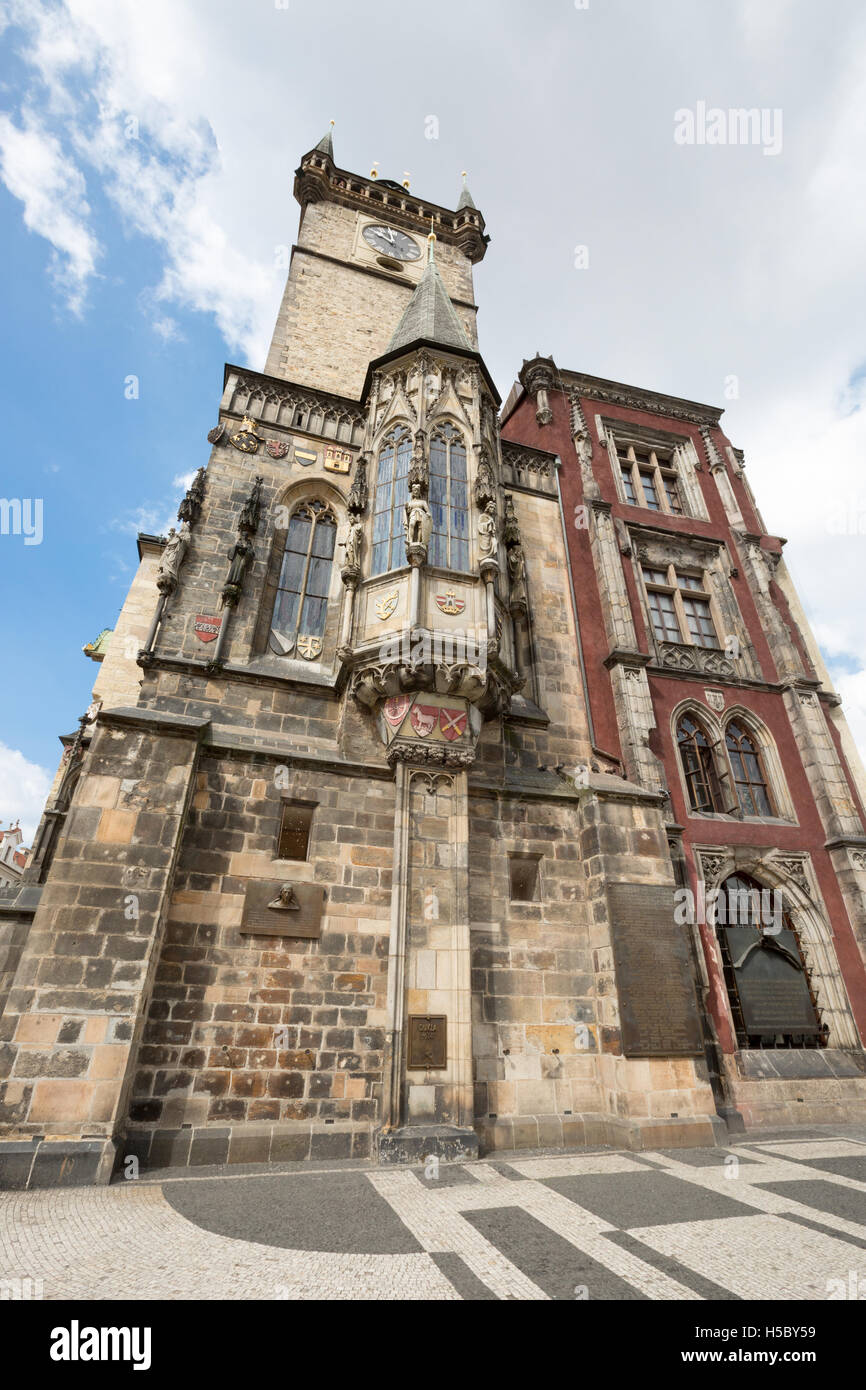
{"points": [[389, 242]]}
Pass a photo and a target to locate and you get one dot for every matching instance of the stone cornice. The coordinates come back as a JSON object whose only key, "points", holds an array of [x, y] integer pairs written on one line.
{"points": [[637, 398], [292, 392]]}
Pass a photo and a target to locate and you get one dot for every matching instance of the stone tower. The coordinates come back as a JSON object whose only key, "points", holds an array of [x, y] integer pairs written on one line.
{"points": [[334, 866]]}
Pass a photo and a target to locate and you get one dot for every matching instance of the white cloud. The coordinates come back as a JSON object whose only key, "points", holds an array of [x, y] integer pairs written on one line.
{"points": [[852, 688], [37, 171], [24, 787]]}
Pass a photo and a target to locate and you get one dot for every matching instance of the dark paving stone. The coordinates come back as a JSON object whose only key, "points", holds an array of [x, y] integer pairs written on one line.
{"points": [[646, 1199], [450, 1175], [323, 1211], [854, 1166], [546, 1258], [704, 1158], [846, 1202], [824, 1230], [674, 1270], [505, 1170], [458, 1273]]}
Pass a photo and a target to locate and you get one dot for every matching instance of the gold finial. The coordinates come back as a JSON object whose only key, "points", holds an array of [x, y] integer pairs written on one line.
{"points": [[333, 122], [374, 172], [464, 171], [405, 178]]}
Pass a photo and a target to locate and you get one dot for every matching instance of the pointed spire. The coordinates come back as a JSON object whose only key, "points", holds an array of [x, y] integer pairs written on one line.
{"points": [[430, 315], [326, 144], [466, 200]]}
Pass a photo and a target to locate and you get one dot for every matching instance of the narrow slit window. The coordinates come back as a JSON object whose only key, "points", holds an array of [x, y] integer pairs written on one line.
{"points": [[295, 824]]}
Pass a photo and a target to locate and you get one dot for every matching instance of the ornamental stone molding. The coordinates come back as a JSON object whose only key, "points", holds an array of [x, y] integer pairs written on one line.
{"points": [[676, 656], [613, 393]]}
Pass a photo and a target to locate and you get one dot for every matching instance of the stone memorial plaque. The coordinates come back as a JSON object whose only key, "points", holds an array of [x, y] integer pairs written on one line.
{"points": [[772, 987], [274, 907], [427, 1042], [658, 1002]]}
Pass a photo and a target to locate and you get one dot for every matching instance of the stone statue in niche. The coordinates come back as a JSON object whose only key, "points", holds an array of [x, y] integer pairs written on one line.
{"points": [[417, 519], [489, 541], [171, 559], [353, 545], [517, 575]]}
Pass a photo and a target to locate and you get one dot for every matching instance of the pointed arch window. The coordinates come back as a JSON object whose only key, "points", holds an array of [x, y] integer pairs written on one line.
{"points": [[449, 500], [300, 608], [392, 492], [749, 777], [699, 769]]}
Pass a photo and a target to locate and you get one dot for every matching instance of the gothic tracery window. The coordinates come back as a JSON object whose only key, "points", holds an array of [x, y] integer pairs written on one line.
{"points": [[449, 500], [392, 491], [300, 608], [699, 767], [747, 767]]}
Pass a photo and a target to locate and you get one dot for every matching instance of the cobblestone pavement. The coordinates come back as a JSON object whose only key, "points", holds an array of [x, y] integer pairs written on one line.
{"points": [[781, 1218]]}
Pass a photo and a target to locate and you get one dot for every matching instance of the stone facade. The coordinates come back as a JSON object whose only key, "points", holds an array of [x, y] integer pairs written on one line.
{"points": [[417, 748]]}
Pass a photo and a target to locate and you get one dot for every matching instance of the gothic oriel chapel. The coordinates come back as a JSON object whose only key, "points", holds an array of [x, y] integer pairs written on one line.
{"points": [[402, 753]]}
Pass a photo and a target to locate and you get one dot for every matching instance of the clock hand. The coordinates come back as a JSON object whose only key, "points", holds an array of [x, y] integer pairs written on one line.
{"points": [[386, 231]]}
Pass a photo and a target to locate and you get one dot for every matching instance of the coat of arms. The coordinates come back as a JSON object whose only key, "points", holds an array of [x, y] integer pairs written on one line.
{"points": [[206, 628], [386, 605], [305, 457], [215, 435], [276, 448], [452, 722], [423, 719], [449, 603], [395, 709], [309, 647], [337, 460], [245, 437]]}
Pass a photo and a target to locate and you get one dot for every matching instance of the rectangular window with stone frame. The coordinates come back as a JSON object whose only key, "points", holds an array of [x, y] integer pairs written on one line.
{"points": [[649, 479], [679, 606]]}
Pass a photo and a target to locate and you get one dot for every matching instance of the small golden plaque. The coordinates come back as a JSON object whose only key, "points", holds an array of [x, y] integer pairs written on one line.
{"points": [[428, 1047]]}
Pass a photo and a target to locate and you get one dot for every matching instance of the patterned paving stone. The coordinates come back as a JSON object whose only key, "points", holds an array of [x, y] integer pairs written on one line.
{"points": [[336, 1212], [788, 1222], [642, 1199]]}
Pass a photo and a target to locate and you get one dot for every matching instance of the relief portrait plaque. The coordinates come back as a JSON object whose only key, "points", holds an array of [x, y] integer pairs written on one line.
{"points": [[658, 1001], [273, 907], [427, 1042]]}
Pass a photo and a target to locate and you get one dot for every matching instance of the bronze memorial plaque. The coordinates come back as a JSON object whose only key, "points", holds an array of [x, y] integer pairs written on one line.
{"points": [[275, 907], [427, 1042], [772, 988], [658, 1002]]}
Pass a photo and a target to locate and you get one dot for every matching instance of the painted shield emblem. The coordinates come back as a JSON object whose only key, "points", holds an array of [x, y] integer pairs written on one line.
{"points": [[305, 457], [215, 435], [309, 647], [245, 441], [448, 603], [206, 628], [423, 719], [276, 448], [385, 606], [395, 710], [452, 722]]}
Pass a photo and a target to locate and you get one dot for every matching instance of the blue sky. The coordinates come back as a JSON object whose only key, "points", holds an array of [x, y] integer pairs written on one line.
{"points": [[146, 158]]}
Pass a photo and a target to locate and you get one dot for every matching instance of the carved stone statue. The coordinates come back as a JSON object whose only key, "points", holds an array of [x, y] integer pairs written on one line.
{"points": [[286, 900], [240, 557], [171, 559], [517, 574], [353, 544], [484, 483], [417, 519], [489, 541]]}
